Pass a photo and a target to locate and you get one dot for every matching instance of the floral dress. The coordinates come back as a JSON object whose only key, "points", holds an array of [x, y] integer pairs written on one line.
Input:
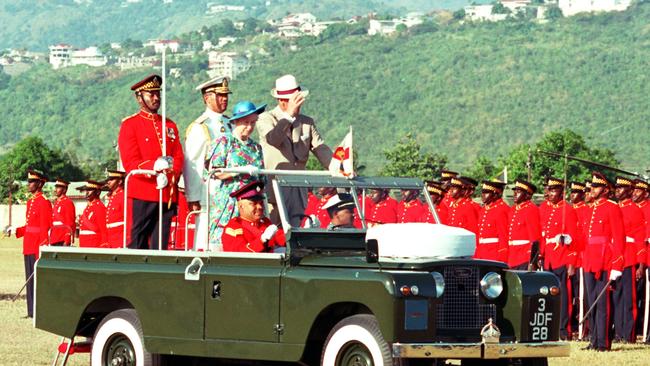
{"points": [[228, 151]]}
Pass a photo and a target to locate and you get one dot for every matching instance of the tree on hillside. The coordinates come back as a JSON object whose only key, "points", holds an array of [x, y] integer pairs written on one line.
{"points": [[541, 165], [459, 14], [33, 153], [4, 79], [406, 159], [483, 169], [553, 12], [498, 8]]}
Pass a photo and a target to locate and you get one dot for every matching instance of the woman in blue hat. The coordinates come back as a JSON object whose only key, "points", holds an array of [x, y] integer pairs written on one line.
{"points": [[232, 150]]}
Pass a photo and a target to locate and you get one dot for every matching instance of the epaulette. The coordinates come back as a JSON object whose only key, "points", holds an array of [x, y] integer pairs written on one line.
{"points": [[127, 117], [199, 121]]}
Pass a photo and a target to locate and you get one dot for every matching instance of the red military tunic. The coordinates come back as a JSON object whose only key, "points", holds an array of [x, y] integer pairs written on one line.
{"points": [[315, 207], [605, 238], [523, 230], [441, 210], [412, 211], [635, 233], [115, 222], [178, 230], [140, 144], [493, 232], [92, 225], [645, 208], [384, 212], [558, 219], [37, 224], [63, 220], [447, 200], [583, 213], [241, 235], [462, 214]]}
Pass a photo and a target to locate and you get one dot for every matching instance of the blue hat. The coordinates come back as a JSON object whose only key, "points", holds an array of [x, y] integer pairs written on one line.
{"points": [[245, 108]]}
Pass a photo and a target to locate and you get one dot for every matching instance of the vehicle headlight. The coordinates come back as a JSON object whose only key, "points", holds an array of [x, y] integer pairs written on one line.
{"points": [[440, 283], [492, 285]]}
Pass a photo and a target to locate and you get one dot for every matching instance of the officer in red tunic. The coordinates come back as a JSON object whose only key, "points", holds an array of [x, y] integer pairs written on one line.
{"points": [[384, 208], [251, 231], [492, 243], [140, 143], [559, 232], [523, 228], [635, 256], [445, 179], [602, 259], [92, 223], [461, 211], [469, 186], [315, 212], [577, 200], [115, 223], [63, 215], [640, 197], [37, 225], [410, 208], [436, 192]]}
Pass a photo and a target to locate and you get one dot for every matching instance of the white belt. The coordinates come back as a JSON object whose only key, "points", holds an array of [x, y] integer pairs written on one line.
{"points": [[86, 232], [629, 239], [191, 226], [114, 224], [488, 240], [173, 224], [58, 223], [519, 242]]}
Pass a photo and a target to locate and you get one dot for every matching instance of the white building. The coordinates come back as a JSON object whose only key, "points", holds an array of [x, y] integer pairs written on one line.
{"points": [[384, 27], [228, 64], [159, 45], [63, 55], [221, 8], [515, 5], [480, 13], [573, 7], [299, 18]]}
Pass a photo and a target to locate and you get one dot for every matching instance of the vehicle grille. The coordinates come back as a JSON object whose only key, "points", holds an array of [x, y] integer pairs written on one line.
{"points": [[460, 308]]}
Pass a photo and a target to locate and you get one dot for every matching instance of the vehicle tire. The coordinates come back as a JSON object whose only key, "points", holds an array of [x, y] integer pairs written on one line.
{"points": [[118, 340], [356, 340]]}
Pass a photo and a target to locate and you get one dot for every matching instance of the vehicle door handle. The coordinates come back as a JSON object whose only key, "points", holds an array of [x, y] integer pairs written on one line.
{"points": [[193, 270]]}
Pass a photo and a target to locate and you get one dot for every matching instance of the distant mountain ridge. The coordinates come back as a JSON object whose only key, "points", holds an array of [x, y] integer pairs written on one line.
{"points": [[36, 24], [464, 90]]}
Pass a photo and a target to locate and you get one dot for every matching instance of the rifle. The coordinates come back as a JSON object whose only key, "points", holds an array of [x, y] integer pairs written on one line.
{"points": [[534, 263]]}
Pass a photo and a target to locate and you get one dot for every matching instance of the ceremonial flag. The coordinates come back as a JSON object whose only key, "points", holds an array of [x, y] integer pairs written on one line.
{"points": [[503, 175], [341, 164]]}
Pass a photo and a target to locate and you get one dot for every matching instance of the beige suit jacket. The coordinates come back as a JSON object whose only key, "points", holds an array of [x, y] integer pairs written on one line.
{"points": [[286, 144]]}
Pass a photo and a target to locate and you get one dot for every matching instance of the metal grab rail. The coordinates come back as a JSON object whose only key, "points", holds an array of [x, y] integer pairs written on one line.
{"points": [[126, 202], [187, 224]]}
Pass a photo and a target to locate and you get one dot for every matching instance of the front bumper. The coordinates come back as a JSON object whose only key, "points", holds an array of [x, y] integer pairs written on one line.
{"points": [[481, 350]]}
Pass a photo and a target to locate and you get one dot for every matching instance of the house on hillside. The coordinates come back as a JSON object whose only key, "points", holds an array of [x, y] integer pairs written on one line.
{"points": [[385, 27], [298, 19], [63, 55], [213, 8], [573, 7], [230, 64], [482, 13]]}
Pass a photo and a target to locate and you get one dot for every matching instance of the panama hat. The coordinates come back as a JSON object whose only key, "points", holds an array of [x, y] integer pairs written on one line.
{"points": [[286, 86]]}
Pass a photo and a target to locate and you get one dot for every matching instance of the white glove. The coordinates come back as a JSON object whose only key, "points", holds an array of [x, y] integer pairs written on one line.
{"points": [[163, 163], [161, 181], [251, 170], [268, 233], [614, 275], [311, 222], [567, 239], [9, 229]]}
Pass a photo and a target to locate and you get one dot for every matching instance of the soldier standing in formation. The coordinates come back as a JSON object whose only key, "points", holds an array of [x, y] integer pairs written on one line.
{"points": [[38, 221], [63, 215], [492, 236], [315, 210], [140, 144], [384, 208], [634, 255], [211, 125], [523, 229], [461, 212], [410, 208], [559, 225], [92, 223], [436, 192], [115, 222], [445, 179]]}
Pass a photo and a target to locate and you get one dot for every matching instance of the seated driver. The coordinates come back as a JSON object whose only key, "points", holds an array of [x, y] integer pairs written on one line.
{"points": [[251, 231], [340, 208]]}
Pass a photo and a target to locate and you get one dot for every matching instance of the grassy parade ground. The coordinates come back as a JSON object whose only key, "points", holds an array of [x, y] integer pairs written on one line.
{"points": [[22, 344]]}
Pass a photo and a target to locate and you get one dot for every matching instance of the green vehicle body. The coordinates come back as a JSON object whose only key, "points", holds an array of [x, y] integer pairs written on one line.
{"points": [[282, 307]]}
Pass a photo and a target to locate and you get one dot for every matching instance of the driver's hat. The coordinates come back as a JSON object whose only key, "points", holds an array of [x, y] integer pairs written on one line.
{"points": [[339, 202], [251, 191]]}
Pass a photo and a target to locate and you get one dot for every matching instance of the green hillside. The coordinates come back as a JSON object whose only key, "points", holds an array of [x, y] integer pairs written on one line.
{"points": [[36, 24], [464, 91]]}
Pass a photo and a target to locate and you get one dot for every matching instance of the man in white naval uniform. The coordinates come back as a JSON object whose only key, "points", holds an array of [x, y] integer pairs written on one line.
{"points": [[199, 135]]}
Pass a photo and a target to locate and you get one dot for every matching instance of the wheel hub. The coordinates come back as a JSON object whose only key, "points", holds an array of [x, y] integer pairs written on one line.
{"points": [[119, 351], [354, 354]]}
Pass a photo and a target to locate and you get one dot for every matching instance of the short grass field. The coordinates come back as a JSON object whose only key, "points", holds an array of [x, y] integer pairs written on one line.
{"points": [[22, 344]]}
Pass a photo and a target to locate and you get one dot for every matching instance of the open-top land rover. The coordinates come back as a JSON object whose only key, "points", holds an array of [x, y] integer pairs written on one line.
{"points": [[395, 294]]}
